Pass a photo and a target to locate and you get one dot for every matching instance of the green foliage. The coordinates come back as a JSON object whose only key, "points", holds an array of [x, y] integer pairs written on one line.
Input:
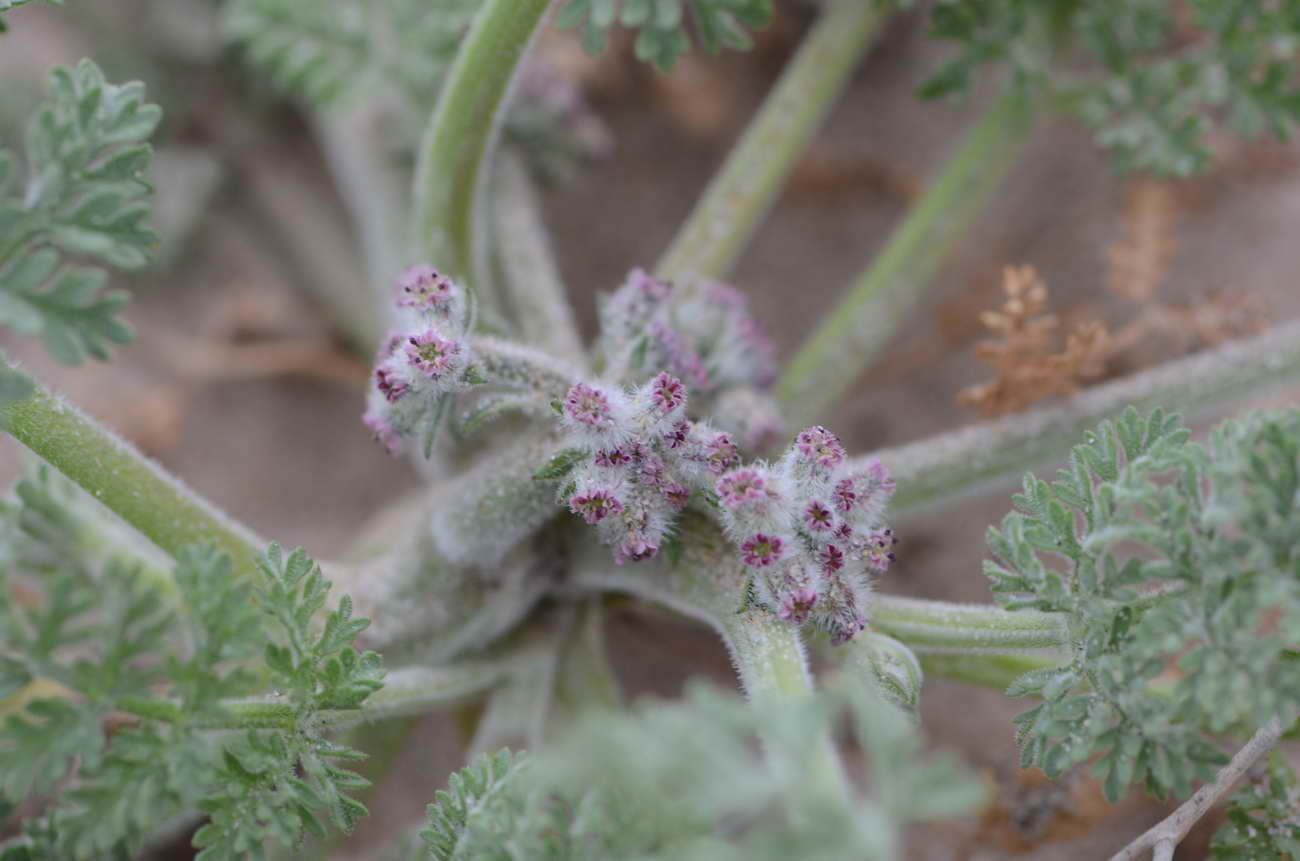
{"points": [[7, 5], [1263, 818], [663, 24], [121, 681], [685, 780], [84, 200], [329, 50], [1179, 571], [1152, 83]]}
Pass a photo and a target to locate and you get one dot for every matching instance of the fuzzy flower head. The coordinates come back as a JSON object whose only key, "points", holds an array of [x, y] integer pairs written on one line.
{"points": [[666, 394], [635, 550], [391, 382], [821, 447], [722, 453], [796, 605], [761, 550], [424, 288], [436, 357], [818, 517], [598, 416], [595, 505], [741, 487], [383, 432]]}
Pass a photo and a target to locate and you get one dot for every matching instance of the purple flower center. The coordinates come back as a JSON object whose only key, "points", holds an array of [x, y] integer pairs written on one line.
{"points": [[595, 506], [796, 605], [667, 393], [832, 559], [818, 517], [722, 454]]}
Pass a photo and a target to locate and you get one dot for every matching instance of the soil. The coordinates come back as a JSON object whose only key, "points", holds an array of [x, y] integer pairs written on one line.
{"points": [[286, 453]]}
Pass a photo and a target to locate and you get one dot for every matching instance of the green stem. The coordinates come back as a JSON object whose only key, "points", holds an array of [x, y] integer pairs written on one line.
{"points": [[124, 480], [946, 465], [451, 172], [744, 190], [855, 330], [942, 626], [408, 691], [988, 671], [536, 293]]}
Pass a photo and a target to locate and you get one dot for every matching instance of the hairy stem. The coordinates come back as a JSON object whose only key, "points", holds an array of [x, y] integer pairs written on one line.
{"points": [[963, 460], [532, 281], [938, 626], [744, 190], [1166, 834], [407, 691], [124, 480], [987, 670], [855, 330], [451, 171]]}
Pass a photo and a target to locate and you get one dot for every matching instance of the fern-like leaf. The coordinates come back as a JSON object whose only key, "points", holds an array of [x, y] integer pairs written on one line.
{"points": [[662, 24], [85, 200]]}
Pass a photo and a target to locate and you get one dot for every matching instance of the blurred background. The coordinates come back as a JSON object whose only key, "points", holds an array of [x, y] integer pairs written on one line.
{"points": [[245, 378]]}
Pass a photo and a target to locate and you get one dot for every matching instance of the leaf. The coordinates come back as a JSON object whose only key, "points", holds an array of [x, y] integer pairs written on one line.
{"points": [[85, 199], [662, 24]]}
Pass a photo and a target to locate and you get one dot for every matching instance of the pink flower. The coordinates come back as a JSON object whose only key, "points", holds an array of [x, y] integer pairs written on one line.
{"points": [[879, 549], [796, 605], [722, 454], [879, 475], [390, 384], [667, 393], [846, 496], [383, 432], [818, 517], [677, 435], [741, 486], [635, 550], [652, 288], [846, 629], [433, 354], [821, 446], [677, 495], [832, 559], [761, 550], [423, 287], [588, 405], [595, 506], [612, 457]]}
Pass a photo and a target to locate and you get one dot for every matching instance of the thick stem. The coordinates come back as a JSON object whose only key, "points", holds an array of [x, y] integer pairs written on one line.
{"points": [[532, 281], [986, 670], [744, 190], [124, 480], [1165, 835], [938, 626], [854, 331], [963, 460], [451, 172]]}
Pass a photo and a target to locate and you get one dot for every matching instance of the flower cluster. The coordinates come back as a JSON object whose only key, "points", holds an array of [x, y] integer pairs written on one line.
{"points": [[427, 357], [811, 529], [644, 460], [701, 332]]}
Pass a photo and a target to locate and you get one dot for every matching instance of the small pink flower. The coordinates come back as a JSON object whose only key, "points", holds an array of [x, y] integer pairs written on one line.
{"points": [[846, 496], [818, 517], [383, 432], [879, 549], [796, 605], [612, 457], [635, 550], [844, 532], [595, 506], [879, 475], [832, 559], [821, 446], [423, 287], [653, 471], [722, 454], [847, 629], [588, 405], [667, 393], [677, 435], [390, 384], [652, 288], [761, 550], [677, 495], [741, 486], [432, 354]]}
